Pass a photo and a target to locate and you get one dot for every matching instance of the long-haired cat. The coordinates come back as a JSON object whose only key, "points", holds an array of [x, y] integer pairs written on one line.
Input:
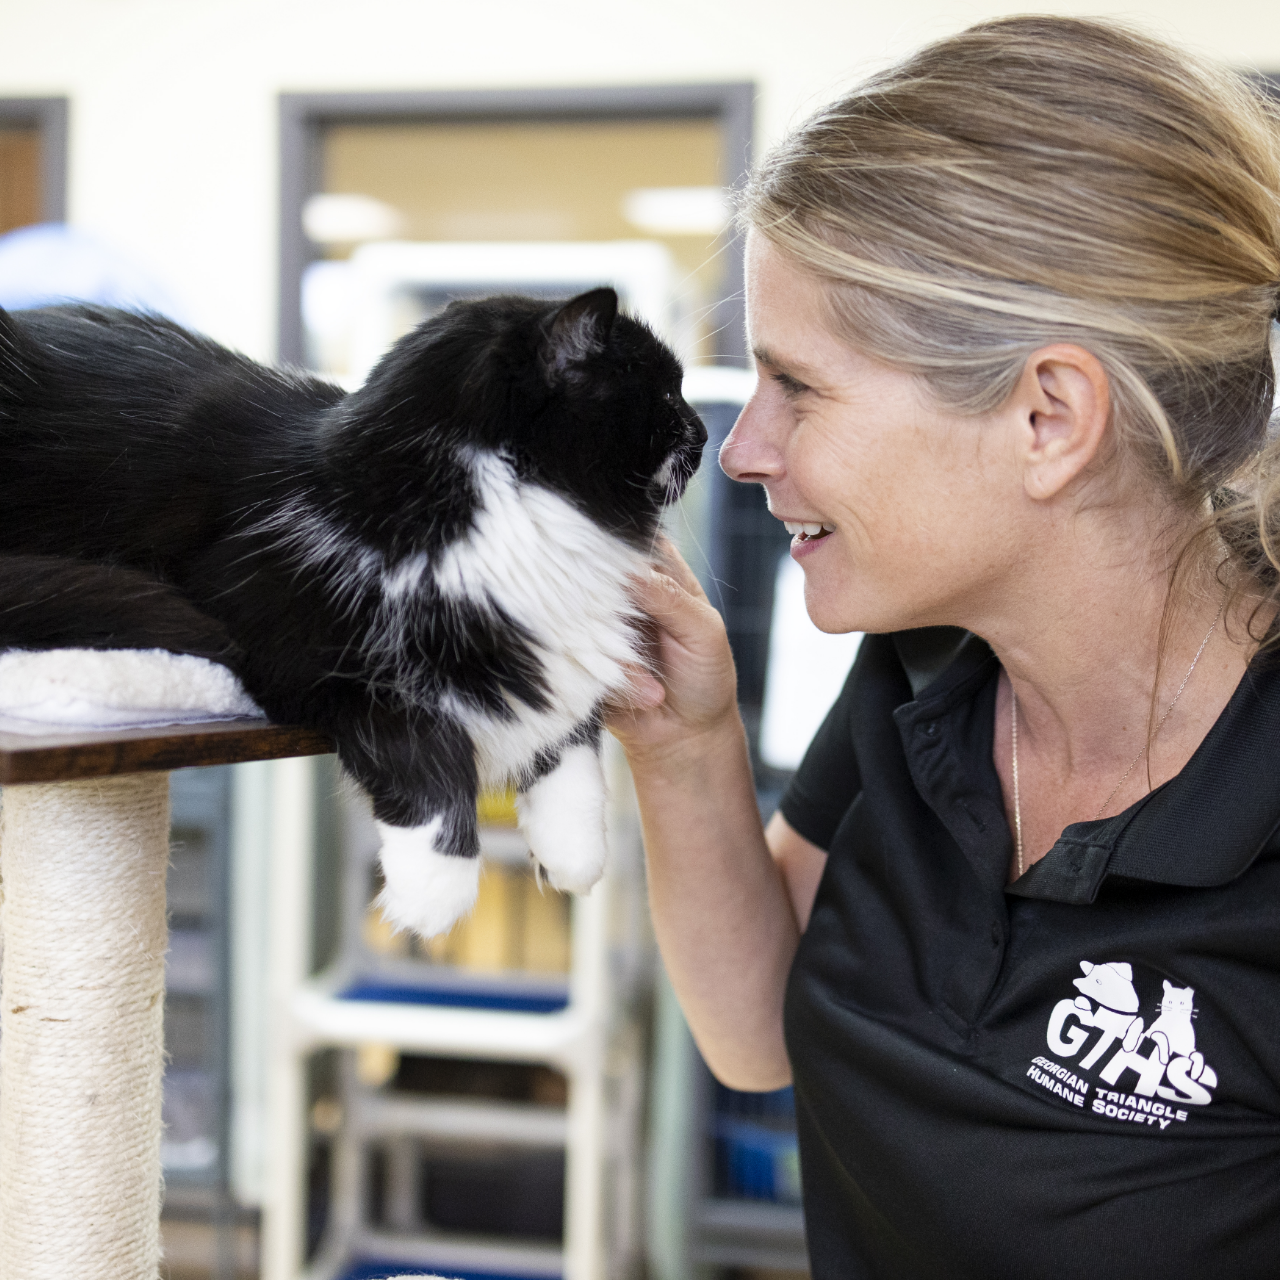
{"points": [[432, 569]]}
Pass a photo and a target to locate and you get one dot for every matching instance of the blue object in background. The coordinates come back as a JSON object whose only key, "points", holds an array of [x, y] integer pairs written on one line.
{"points": [[756, 1162], [506, 1001], [382, 1270], [755, 1140], [51, 263]]}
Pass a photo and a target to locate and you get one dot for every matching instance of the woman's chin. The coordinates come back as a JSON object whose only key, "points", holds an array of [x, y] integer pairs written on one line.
{"points": [[840, 607], [834, 612]]}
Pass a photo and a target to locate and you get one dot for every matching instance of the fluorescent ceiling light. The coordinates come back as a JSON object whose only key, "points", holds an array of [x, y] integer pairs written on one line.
{"points": [[349, 219], [677, 211]]}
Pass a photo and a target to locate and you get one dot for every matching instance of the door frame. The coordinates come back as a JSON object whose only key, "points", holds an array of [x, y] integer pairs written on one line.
{"points": [[305, 116], [48, 116]]}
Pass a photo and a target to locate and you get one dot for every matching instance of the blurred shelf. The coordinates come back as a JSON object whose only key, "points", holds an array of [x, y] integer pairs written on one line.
{"points": [[204, 1231], [759, 1220], [390, 1115], [497, 996], [481, 1118], [751, 1233], [323, 1018], [417, 981], [456, 1255]]}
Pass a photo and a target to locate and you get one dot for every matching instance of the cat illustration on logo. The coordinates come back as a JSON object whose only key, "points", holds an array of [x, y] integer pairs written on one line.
{"points": [[1172, 1032], [1162, 1056]]}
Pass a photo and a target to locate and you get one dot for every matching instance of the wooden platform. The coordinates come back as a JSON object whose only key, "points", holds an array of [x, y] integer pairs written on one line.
{"points": [[99, 753]]}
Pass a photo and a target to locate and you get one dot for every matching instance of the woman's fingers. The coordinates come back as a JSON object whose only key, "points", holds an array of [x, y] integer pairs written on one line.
{"points": [[643, 691], [679, 614], [684, 677], [673, 564]]}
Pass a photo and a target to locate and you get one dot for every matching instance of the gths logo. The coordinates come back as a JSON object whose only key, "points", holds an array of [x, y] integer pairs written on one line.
{"points": [[1110, 1060]]}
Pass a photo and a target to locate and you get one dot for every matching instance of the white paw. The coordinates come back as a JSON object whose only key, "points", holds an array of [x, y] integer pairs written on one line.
{"points": [[426, 891], [562, 817]]}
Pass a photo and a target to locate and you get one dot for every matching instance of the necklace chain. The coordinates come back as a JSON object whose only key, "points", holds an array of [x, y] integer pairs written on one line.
{"points": [[1142, 751]]}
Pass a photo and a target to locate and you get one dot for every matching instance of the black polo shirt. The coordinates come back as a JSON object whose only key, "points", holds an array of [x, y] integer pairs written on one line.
{"points": [[1077, 1075]]}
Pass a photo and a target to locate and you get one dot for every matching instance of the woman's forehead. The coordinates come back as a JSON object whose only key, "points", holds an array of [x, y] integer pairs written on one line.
{"points": [[789, 328], [786, 311]]}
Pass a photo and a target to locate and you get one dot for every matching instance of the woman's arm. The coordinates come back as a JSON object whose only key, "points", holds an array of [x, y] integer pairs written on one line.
{"points": [[801, 863], [721, 904]]}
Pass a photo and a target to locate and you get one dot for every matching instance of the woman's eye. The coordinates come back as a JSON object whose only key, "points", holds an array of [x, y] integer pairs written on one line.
{"points": [[790, 386]]}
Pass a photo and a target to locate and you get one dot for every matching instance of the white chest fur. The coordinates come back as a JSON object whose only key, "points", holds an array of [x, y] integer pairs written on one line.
{"points": [[529, 555], [546, 566]]}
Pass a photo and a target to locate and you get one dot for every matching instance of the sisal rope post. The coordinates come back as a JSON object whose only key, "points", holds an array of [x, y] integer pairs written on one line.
{"points": [[81, 1058]]}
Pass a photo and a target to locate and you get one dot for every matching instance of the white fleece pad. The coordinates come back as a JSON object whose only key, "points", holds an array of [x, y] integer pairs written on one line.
{"points": [[113, 689]]}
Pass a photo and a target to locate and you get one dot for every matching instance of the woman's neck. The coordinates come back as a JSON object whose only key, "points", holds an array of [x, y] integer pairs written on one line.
{"points": [[1097, 653]]}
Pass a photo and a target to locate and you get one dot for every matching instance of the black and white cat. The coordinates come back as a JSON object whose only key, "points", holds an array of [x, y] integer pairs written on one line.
{"points": [[432, 569]]}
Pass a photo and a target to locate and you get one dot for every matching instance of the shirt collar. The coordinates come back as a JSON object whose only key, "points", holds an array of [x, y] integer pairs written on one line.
{"points": [[1202, 828]]}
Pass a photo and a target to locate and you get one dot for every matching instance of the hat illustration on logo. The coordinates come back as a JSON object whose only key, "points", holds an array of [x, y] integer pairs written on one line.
{"points": [[1111, 985]]}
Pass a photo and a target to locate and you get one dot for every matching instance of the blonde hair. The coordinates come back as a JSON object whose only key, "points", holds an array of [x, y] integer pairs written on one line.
{"points": [[1042, 179]]}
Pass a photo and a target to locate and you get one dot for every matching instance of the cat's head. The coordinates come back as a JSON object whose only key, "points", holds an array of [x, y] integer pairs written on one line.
{"points": [[1177, 999], [577, 396]]}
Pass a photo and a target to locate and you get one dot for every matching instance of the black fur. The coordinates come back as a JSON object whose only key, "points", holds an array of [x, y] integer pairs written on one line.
{"points": [[147, 476]]}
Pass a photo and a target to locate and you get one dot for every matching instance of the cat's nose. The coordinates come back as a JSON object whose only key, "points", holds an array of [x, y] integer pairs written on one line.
{"points": [[697, 429]]}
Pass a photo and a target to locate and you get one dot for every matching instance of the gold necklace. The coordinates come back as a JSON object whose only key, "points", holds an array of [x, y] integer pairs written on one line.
{"points": [[1102, 808]]}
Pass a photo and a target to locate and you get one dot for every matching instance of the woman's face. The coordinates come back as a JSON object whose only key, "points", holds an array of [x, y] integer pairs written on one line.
{"points": [[916, 507]]}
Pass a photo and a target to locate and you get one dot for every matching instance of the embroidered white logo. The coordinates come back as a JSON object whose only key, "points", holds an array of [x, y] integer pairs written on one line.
{"points": [[1137, 1074]]}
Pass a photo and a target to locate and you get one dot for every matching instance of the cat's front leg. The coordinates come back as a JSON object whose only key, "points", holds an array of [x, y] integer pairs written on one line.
{"points": [[421, 777], [562, 811], [430, 883]]}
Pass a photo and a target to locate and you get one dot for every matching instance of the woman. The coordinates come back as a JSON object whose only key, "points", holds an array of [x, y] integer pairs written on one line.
{"points": [[1015, 928]]}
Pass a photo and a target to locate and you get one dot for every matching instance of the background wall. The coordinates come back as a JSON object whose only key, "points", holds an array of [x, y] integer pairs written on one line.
{"points": [[173, 115]]}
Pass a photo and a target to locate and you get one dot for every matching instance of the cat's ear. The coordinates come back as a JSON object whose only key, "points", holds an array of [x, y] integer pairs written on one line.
{"points": [[580, 329], [1168, 986]]}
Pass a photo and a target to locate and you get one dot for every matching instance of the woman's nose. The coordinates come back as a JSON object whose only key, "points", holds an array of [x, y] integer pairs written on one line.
{"points": [[750, 452]]}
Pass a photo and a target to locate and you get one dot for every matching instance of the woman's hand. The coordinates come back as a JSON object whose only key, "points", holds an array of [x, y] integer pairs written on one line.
{"points": [[720, 908], [692, 688]]}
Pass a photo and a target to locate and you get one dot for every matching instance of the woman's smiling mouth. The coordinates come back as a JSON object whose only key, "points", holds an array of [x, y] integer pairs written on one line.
{"points": [[807, 531]]}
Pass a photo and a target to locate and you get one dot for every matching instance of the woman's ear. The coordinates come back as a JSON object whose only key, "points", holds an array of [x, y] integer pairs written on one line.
{"points": [[1063, 401]]}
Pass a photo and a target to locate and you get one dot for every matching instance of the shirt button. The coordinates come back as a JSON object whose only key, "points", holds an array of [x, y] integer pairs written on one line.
{"points": [[930, 730], [996, 933]]}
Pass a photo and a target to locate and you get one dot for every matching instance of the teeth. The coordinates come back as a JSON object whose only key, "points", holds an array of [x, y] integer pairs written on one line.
{"points": [[806, 528]]}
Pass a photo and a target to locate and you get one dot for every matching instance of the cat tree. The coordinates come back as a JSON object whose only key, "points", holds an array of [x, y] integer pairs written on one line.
{"points": [[84, 847]]}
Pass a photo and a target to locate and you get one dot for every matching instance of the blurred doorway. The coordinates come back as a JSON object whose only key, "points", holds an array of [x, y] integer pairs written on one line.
{"points": [[33, 151], [653, 163]]}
